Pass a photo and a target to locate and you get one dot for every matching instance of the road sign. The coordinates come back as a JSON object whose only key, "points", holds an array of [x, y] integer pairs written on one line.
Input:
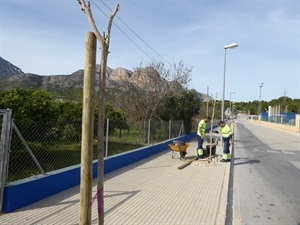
{"points": [[227, 112]]}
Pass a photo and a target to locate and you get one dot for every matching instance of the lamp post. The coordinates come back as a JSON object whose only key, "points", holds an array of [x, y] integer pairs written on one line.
{"points": [[207, 101], [232, 45], [259, 108], [232, 92]]}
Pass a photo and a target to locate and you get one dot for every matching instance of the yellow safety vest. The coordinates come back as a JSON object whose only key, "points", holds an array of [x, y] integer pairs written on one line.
{"points": [[201, 128], [225, 131]]}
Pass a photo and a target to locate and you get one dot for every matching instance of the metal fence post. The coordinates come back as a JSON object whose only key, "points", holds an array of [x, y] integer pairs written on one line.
{"points": [[4, 150], [181, 132], [107, 135], [27, 147], [170, 128], [149, 130]]}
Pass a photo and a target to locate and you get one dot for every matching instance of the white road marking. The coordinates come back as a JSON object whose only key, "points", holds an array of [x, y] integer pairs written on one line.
{"points": [[287, 152], [282, 151], [272, 151]]}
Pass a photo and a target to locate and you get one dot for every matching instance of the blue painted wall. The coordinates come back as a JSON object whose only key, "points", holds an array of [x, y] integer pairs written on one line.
{"points": [[21, 193]]}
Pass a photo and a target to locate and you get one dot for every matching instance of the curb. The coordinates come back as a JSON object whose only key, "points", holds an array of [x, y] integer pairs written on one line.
{"points": [[222, 208]]}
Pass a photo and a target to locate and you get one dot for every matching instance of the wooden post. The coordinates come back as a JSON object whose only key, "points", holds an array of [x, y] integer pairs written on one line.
{"points": [[104, 42], [211, 128], [207, 101], [187, 163], [87, 129]]}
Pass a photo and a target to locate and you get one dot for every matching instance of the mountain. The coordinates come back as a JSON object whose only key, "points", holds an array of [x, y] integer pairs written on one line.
{"points": [[6, 68], [11, 76], [66, 86]]}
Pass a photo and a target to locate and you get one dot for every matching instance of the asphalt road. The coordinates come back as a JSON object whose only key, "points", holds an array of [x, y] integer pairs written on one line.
{"points": [[265, 176]]}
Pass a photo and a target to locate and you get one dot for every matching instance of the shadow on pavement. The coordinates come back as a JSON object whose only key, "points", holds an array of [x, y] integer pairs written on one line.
{"points": [[249, 161]]}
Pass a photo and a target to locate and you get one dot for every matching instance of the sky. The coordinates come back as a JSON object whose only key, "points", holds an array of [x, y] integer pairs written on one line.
{"points": [[48, 38]]}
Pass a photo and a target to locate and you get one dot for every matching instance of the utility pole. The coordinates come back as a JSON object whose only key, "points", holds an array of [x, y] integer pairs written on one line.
{"points": [[207, 101], [284, 103], [259, 108], [232, 92]]}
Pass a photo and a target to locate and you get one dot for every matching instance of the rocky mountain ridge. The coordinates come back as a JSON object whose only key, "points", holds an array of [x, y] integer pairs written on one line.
{"points": [[11, 76], [74, 80], [6, 68]]}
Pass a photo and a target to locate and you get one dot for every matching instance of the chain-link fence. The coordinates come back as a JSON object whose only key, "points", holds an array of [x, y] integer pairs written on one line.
{"points": [[37, 148], [287, 119], [281, 118]]}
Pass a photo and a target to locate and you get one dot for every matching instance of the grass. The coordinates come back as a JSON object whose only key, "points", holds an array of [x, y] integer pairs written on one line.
{"points": [[132, 136], [58, 155]]}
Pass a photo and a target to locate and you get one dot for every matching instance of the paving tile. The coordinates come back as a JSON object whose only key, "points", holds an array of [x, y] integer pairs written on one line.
{"points": [[151, 191]]}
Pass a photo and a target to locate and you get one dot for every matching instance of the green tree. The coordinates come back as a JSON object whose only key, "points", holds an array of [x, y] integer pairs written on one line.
{"points": [[116, 119], [286, 104], [294, 106], [181, 107], [31, 105], [69, 111], [30, 109]]}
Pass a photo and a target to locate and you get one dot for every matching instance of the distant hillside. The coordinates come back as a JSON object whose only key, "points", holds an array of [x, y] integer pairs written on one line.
{"points": [[66, 86]]}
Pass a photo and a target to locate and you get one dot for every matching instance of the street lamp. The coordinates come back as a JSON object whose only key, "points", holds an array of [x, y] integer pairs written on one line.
{"points": [[232, 92], [259, 108], [232, 45]]}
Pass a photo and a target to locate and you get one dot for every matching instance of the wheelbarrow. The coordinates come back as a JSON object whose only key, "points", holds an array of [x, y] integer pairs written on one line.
{"points": [[179, 148]]}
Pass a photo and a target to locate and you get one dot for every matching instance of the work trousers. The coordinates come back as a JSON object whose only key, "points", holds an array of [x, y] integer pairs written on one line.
{"points": [[200, 146], [200, 142], [226, 150]]}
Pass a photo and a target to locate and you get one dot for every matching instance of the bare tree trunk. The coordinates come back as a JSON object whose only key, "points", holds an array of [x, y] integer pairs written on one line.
{"points": [[104, 41], [100, 147]]}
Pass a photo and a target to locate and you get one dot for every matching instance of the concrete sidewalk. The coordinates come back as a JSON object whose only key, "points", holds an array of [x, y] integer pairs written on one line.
{"points": [[152, 191]]}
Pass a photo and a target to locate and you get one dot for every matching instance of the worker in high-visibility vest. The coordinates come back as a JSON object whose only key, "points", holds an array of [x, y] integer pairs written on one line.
{"points": [[201, 134], [226, 132]]}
